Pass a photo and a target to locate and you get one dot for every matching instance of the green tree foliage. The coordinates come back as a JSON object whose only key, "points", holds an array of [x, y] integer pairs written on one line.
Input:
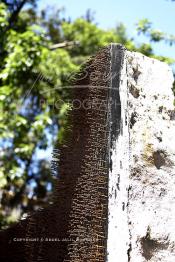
{"points": [[33, 93], [145, 26]]}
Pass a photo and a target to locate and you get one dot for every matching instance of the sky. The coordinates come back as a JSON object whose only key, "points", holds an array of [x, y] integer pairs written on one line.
{"points": [[108, 13]]}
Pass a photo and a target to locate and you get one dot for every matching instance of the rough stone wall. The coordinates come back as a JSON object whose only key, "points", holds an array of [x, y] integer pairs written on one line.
{"points": [[78, 215], [118, 232], [142, 181], [115, 199], [151, 204], [87, 162]]}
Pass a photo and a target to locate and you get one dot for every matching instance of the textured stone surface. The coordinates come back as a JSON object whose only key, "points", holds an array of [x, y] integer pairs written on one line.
{"points": [[142, 181], [114, 199], [79, 213]]}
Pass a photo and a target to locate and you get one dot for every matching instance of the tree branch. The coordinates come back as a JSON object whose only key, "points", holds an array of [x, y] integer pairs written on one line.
{"points": [[16, 12], [64, 44]]}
